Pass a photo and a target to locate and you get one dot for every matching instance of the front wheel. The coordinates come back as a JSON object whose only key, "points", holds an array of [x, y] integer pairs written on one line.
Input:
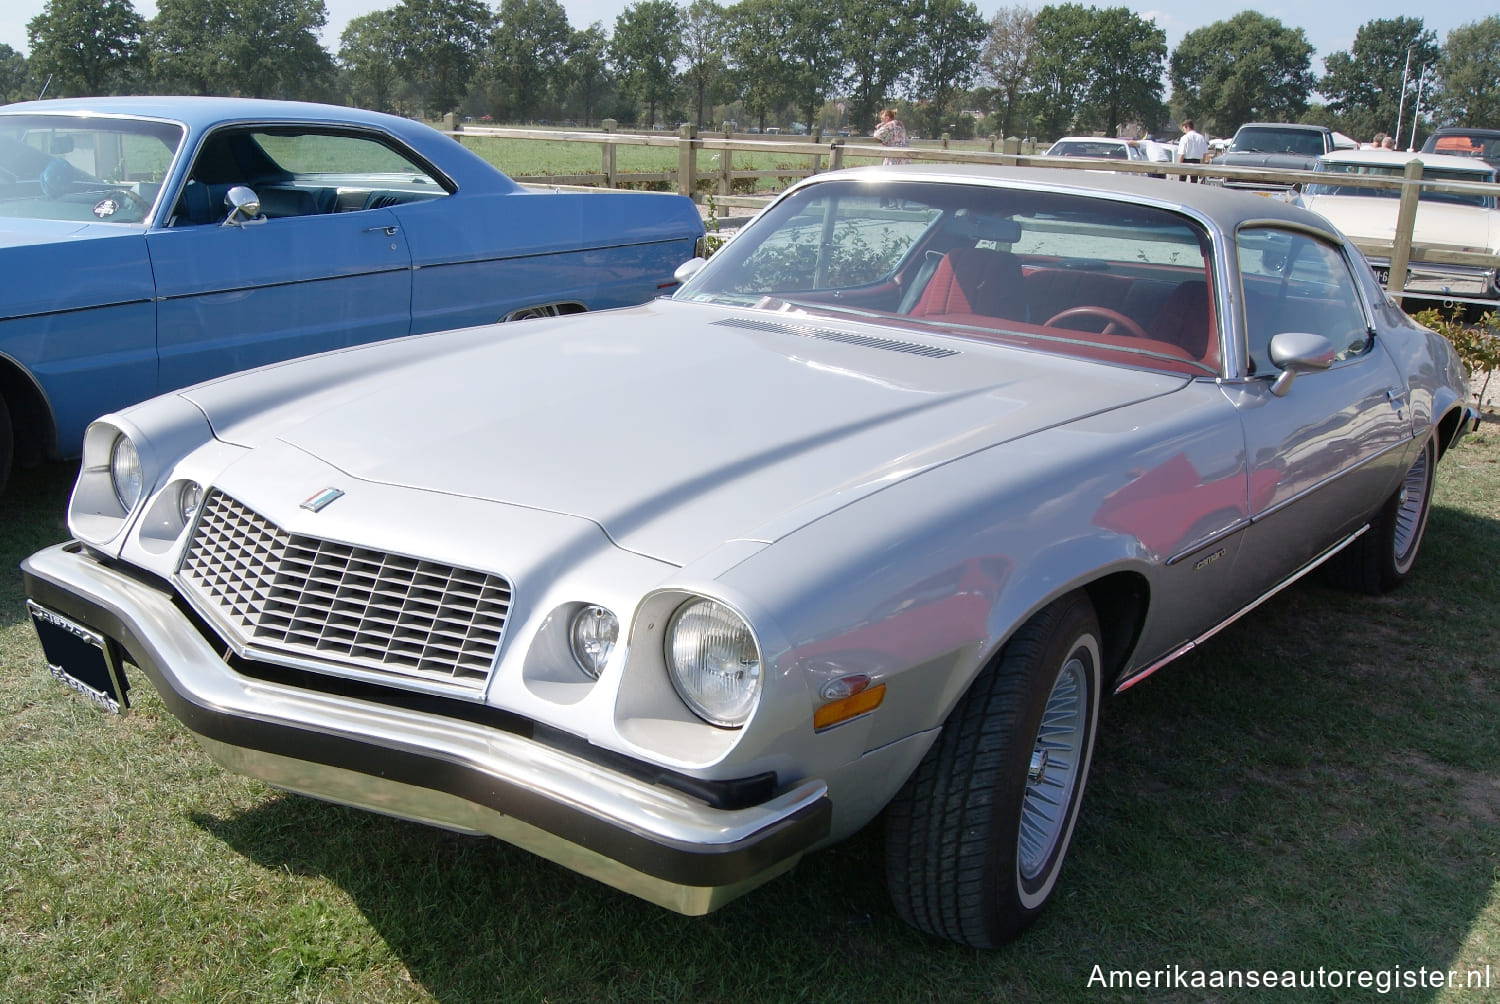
{"points": [[976, 837], [1383, 556]]}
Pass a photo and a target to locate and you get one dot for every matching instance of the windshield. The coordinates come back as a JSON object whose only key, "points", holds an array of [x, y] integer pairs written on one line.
{"points": [[1060, 272], [1302, 142], [1397, 171], [1086, 148], [61, 167]]}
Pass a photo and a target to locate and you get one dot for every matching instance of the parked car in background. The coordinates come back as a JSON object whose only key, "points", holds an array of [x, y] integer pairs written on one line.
{"points": [[1446, 221], [1095, 146], [149, 243], [1461, 142], [1281, 146], [869, 516]]}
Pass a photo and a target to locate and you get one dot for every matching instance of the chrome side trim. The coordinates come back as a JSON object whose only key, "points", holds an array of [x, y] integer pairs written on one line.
{"points": [[1183, 650]]}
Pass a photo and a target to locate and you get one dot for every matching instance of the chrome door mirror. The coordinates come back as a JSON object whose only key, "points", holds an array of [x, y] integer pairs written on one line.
{"points": [[1295, 352], [244, 206]]}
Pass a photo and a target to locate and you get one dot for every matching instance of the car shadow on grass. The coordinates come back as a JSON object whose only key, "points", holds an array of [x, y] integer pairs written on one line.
{"points": [[1313, 788]]}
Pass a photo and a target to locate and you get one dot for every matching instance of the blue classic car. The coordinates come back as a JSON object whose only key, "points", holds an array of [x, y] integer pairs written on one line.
{"points": [[153, 242]]}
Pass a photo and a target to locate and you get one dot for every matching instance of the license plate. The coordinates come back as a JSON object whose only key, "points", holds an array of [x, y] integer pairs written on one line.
{"points": [[1382, 276], [82, 659]]}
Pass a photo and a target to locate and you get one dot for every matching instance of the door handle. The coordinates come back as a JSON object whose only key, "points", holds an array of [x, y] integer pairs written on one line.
{"points": [[389, 231]]}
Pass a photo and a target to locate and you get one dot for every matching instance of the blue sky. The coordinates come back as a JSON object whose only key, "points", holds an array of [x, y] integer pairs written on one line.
{"points": [[1330, 24]]}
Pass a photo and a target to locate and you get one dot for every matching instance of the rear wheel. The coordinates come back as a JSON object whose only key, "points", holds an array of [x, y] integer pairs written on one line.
{"points": [[1383, 556], [976, 837]]}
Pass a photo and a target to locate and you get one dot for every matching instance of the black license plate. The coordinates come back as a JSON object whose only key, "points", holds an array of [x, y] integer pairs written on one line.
{"points": [[1382, 276], [82, 659]]}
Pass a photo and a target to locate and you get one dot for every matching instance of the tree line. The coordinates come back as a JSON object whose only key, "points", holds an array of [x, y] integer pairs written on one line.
{"points": [[821, 64]]}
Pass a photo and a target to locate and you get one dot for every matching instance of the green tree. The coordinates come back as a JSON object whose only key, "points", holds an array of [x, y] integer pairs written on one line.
{"points": [[1058, 78], [439, 42], [1005, 63], [1248, 68], [184, 46], [645, 49], [85, 47], [945, 60], [14, 76], [814, 59], [1364, 85], [527, 50], [369, 53], [1125, 57], [1469, 69], [765, 75], [703, 43], [588, 78], [271, 48], [878, 39]]}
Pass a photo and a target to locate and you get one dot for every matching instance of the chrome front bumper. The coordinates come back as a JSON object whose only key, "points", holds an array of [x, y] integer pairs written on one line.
{"points": [[656, 843]]}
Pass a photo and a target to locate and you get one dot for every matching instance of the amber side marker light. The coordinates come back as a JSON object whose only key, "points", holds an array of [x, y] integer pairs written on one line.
{"points": [[845, 708]]}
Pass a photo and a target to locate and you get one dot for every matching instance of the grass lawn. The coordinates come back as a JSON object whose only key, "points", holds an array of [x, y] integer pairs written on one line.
{"points": [[1317, 787]]}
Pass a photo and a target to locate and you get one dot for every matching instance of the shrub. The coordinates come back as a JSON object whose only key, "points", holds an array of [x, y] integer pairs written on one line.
{"points": [[1477, 343]]}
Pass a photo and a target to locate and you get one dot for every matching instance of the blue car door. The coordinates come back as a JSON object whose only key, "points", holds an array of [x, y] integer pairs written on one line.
{"points": [[233, 297]]}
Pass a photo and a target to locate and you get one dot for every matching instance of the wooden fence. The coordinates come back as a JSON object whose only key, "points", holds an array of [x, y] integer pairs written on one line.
{"points": [[821, 156]]}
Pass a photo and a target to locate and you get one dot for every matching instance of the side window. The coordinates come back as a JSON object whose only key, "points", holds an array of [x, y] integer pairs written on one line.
{"points": [[1295, 282], [298, 171]]}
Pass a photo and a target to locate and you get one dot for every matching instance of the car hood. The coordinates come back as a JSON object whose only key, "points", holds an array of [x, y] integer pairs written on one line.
{"points": [[676, 427], [1438, 224]]}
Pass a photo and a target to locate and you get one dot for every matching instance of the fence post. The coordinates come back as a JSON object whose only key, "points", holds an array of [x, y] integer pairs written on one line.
{"points": [[1406, 218], [611, 175], [687, 160], [726, 168], [836, 155]]}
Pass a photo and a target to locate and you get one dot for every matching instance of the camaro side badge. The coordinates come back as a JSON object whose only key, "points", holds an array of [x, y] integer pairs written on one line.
{"points": [[320, 501]]}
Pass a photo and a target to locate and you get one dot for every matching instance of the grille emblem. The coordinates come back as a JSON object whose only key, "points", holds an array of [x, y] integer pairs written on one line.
{"points": [[321, 501]]}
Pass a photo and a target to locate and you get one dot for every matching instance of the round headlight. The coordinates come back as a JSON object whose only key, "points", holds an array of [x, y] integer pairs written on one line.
{"points": [[714, 661], [189, 498], [125, 472], [592, 636]]}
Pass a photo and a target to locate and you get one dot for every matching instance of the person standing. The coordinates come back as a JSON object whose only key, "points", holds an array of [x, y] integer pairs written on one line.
{"points": [[1193, 146], [891, 133]]}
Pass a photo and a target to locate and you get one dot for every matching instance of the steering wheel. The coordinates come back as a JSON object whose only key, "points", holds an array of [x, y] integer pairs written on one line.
{"points": [[1115, 322]]}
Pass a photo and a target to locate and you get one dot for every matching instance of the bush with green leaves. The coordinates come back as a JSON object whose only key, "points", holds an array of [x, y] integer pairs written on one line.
{"points": [[1477, 342]]}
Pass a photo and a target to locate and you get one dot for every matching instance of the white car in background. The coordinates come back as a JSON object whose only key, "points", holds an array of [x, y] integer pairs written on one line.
{"points": [[1446, 221], [1105, 147]]}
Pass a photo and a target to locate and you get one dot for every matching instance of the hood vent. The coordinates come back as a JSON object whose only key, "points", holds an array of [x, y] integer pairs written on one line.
{"points": [[833, 335]]}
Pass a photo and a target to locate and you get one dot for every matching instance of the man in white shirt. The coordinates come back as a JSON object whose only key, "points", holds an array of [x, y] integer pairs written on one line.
{"points": [[1193, 146]]}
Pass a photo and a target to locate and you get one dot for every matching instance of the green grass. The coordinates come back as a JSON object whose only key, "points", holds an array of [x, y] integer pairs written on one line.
{"points": [[1318, 786], [524, 159]]}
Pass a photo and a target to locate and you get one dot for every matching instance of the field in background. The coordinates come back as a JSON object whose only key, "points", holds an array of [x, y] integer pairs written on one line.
{"points": [[1317, 787]]}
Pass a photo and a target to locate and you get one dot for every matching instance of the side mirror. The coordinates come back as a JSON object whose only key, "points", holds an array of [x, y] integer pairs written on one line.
{"points": [[244, 206], [1295, 352], [688, 269]]}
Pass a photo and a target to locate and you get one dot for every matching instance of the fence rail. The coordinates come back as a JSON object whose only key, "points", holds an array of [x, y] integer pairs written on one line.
{"points": [[720, 182]]}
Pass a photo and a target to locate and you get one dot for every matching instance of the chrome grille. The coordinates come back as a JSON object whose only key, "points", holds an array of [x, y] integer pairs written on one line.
{"points": [[345, 604]]}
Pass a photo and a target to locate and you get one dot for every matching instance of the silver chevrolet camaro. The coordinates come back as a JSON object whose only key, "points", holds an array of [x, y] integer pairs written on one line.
{"points": [[867, 517]]}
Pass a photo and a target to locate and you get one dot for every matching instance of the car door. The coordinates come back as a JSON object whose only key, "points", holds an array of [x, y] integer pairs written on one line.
{"points": [[1324, 456], [316, 271]]}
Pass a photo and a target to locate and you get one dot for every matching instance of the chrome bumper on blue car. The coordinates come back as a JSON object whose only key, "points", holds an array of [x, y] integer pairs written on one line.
{"points": [[652, 841]]}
